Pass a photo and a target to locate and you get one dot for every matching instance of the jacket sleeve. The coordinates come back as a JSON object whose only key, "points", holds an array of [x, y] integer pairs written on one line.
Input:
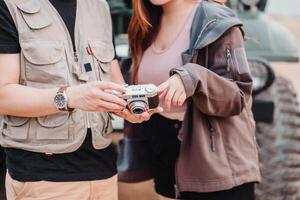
{"points": [[225, 87]]}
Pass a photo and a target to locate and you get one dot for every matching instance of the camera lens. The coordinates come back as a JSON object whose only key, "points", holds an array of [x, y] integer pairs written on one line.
{"points": [[138, 111], [137, 107]]}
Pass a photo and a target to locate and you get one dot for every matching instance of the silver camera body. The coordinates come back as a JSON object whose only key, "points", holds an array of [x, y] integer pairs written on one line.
{"points": [[140, 98]]}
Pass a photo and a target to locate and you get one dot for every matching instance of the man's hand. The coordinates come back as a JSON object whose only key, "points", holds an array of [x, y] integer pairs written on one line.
{"points": [[134, 118], [172, 92], [95, 97]]}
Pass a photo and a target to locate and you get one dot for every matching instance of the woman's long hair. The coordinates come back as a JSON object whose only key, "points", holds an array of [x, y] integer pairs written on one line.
{"points": [[142, 30]]}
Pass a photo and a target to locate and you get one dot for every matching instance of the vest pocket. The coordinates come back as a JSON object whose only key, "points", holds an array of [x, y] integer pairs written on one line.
{"points": [[45, 64], [16, 128], [101, 122], [103, 53], [101, 128], [33, 15], [53, 127], [107, 126]]}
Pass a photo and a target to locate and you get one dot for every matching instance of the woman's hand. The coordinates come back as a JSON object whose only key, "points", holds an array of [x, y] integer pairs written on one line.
{"points": [[134, 118], [95, 96], [172, 92]]}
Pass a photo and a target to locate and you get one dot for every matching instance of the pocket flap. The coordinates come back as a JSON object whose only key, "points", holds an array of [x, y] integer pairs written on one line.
{"points": [[34, 16], [15, 121], [29, 6], [42, 52], [52, 121], [103, 51]]}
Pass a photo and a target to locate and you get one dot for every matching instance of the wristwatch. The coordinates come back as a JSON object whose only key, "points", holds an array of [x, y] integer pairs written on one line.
{"points": [[61, 100]]}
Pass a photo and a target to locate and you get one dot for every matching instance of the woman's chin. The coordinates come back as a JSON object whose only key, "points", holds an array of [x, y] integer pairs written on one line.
{"points": [[160, 2]]}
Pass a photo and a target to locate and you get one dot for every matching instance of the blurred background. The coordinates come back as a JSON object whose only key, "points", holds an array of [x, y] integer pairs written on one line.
{"points": [[287, 13]]}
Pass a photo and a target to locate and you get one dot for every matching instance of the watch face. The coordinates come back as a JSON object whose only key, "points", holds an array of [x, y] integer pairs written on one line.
{"points": [[60, 101]]}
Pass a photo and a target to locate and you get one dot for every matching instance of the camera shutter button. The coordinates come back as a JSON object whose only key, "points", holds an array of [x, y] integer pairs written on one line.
{"points": [[150, 89]]}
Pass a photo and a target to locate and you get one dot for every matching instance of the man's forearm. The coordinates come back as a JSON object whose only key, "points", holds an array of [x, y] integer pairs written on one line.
{"points": [[18, 100]]}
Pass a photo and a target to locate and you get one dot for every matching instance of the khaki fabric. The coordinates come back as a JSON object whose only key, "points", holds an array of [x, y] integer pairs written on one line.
{"points": [[43, 190], [49, 61]]}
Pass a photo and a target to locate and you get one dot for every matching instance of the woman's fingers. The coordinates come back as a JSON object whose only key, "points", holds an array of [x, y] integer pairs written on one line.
{"points": [[162, 87], [163, 94], [182, 99], [169, 97], [176, 98]]}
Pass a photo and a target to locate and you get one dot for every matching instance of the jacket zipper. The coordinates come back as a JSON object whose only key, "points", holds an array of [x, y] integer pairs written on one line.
{"points": [[177, 192], [176, 187], [228, 59], [211, 134], [229, 66]]}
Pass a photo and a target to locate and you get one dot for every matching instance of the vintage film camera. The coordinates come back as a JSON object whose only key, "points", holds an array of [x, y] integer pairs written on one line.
{"points": [[140, 98]]}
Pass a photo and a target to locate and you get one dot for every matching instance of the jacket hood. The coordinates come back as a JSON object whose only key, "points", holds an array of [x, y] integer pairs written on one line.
{"points": [[210, 22]]}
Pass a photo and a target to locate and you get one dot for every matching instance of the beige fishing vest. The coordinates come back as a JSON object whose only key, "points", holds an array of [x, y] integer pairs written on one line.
{"points": [[48, 61]]}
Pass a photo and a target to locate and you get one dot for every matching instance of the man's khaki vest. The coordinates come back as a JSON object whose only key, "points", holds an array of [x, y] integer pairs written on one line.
{"points": [[48, 61]]}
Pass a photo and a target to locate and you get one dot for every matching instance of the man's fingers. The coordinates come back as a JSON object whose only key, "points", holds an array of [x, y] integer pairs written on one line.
{"points": [[126, 112], [110, 86], [156, 110], [169, 97], [120, 114], [108, 106], [145, 115], [112, 98]]}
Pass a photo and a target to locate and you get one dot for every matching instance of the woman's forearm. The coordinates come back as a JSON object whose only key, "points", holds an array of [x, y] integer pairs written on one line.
{"points": [[116, 75], [22, 101]]}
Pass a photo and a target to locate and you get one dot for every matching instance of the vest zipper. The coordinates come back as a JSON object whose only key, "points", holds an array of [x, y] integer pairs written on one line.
{"points": [[211, 134], [76, 57], [76, 62]]}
